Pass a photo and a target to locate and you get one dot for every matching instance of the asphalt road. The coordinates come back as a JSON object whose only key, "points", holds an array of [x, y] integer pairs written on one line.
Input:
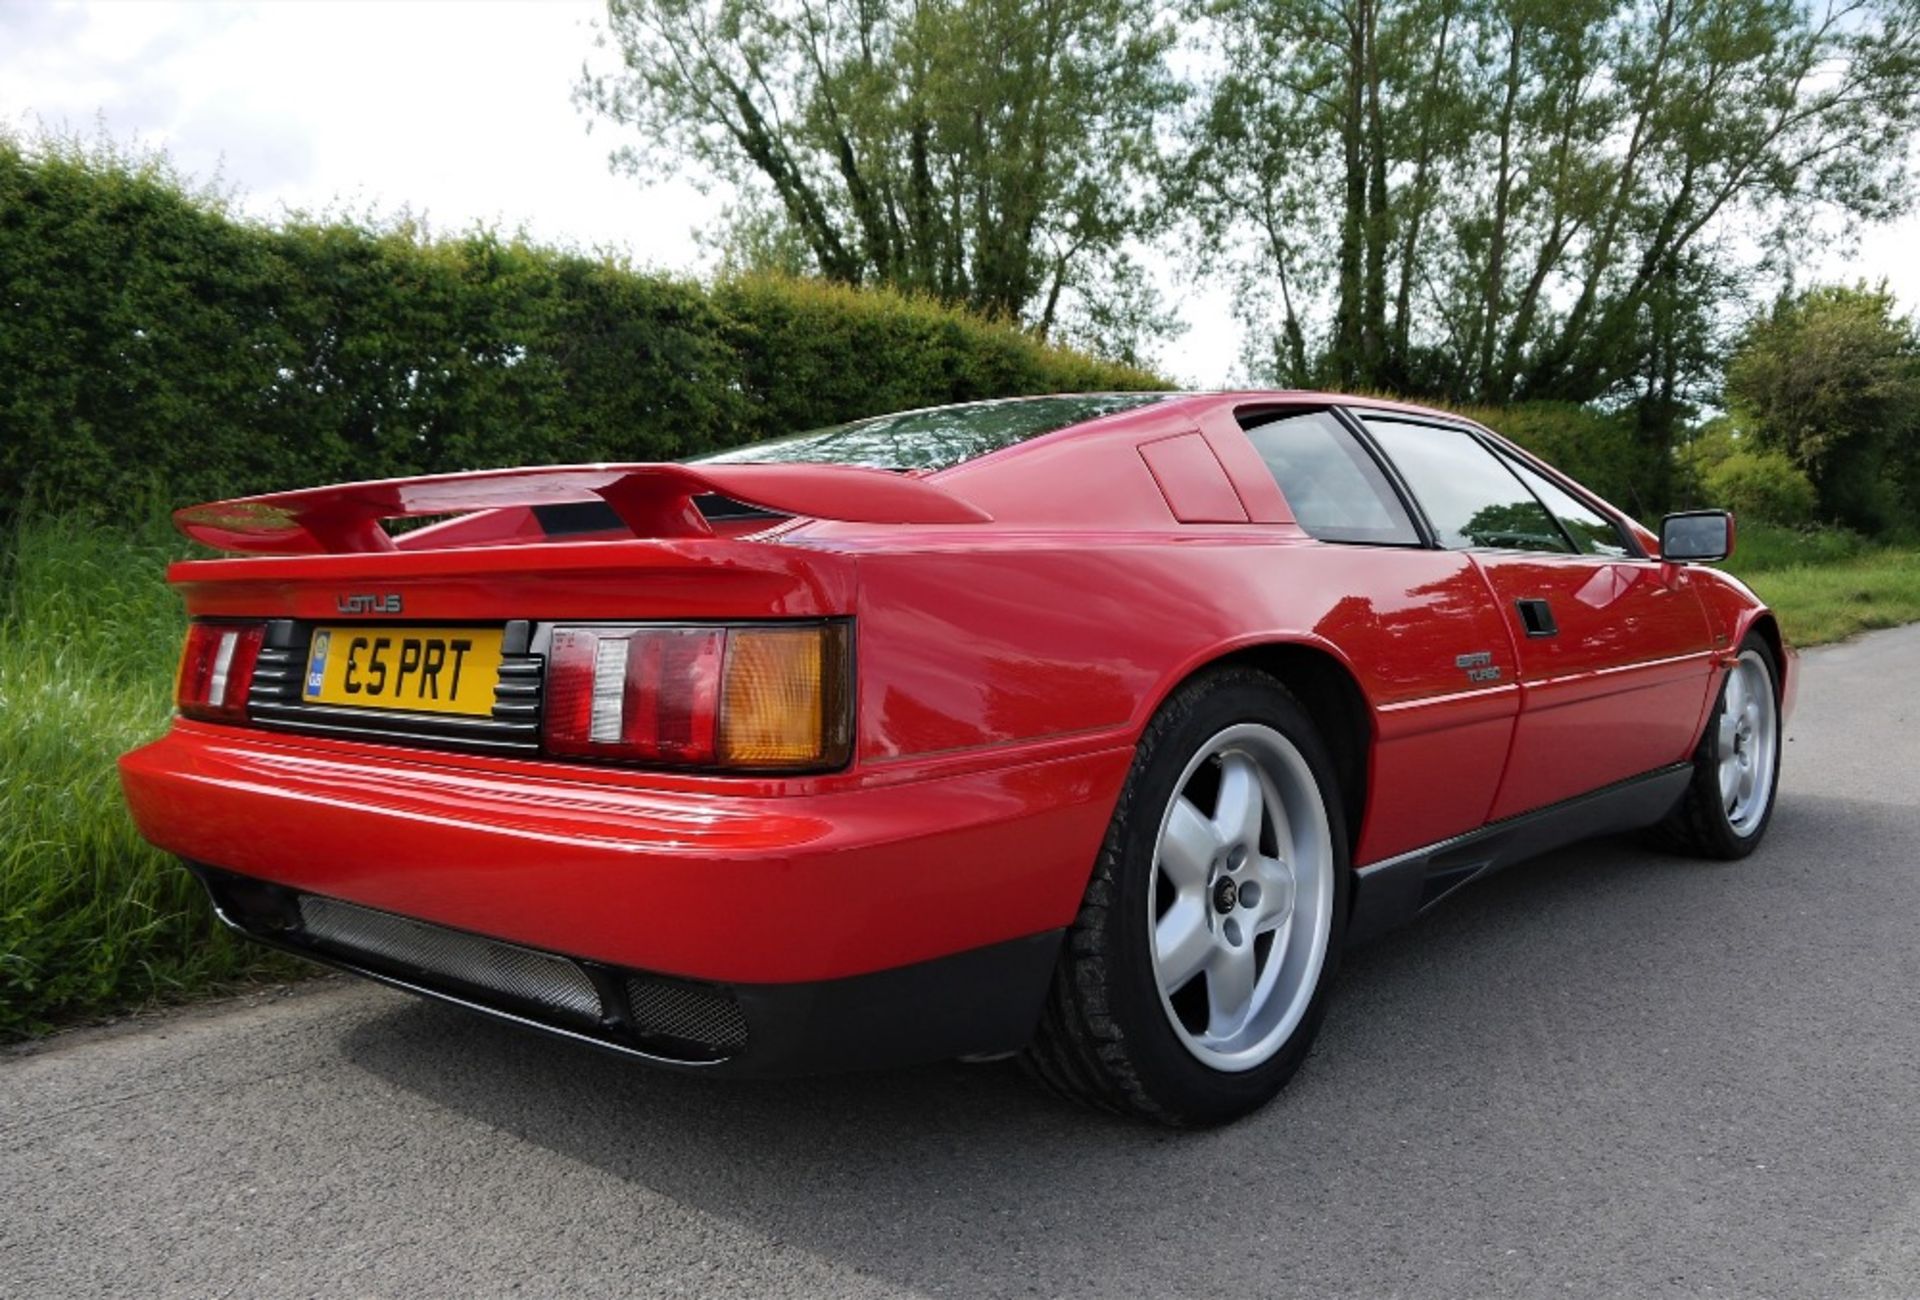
{"points": [[1608, 1073]]}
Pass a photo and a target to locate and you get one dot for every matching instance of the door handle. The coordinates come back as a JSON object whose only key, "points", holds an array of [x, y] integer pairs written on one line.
{"points": [[1537, 617]]}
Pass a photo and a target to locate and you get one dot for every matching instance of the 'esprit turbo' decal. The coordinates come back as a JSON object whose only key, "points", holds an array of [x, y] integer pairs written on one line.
{"points": [[1479, 666]]}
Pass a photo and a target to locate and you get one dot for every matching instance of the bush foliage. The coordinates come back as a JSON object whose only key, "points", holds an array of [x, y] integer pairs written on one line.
{"points": [[150, 339], [1762, 485]]}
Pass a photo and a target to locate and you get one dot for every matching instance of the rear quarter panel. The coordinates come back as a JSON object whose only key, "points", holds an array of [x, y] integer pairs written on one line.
{"points": [[967, 651]]}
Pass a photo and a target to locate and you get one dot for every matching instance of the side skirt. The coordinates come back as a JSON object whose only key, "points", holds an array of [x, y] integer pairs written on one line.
{"points": [[1390, 893]]}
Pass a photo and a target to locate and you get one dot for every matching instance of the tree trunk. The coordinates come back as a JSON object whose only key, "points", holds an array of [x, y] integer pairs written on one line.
{"points": [[1399, 362], [1494, 301], [1347, 349], [1373, 330]]}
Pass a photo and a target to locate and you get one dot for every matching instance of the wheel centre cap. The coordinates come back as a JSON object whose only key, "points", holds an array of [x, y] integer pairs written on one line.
{"points": [[1225, 895]]}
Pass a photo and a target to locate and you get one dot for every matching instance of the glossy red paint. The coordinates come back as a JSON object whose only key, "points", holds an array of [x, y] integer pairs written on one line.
{"points": [[687, 579], [846, 879], [1070, 642], [1618, 690], [1192, 480], [1017, 619]]}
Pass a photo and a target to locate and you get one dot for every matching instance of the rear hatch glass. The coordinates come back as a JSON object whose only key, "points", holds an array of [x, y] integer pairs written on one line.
{"points": [[936, 438]]}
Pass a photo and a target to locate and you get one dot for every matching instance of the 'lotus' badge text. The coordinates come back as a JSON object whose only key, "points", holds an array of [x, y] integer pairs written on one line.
{"points": [[366, 603]]}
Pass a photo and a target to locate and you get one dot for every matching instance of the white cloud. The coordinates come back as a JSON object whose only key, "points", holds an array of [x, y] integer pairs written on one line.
{"points": [[459, 113]]}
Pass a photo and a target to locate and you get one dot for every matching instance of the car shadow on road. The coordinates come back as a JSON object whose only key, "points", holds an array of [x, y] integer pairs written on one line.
{"points": [[1544, 1018]]}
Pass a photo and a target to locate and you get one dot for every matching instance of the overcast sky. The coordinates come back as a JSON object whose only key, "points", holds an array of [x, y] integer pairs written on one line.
{"points": [[461, 112]]}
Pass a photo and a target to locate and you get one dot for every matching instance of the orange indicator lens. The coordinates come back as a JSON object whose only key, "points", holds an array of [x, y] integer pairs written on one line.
{"points": [[771, 713]]}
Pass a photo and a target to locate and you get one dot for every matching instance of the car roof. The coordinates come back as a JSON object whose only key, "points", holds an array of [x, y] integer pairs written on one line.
{"points": [[1316, 397]]}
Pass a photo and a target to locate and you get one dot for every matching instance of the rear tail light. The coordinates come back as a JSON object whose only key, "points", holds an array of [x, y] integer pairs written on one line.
{"points": [[762, 697], [216, 670]]}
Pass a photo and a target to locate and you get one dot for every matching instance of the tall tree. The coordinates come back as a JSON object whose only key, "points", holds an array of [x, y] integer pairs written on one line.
{"points": [[1497, 199], [1831, 377], [993, 153]]}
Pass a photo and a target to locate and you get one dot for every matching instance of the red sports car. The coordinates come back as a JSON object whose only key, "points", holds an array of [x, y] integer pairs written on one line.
{"points": [[1085, 727]]}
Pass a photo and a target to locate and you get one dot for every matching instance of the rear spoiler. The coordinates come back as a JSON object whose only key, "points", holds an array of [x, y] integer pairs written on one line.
{"points": [[651, 500]]}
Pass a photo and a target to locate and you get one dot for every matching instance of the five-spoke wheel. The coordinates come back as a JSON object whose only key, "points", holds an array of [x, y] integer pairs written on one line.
{"points": [[1192, 981], [1242, 896], [1748, 743], [1737, 766]]}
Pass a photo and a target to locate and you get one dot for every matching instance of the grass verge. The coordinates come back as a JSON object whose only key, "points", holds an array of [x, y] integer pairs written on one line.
{"points": [[93, 920], [1827, 585]]}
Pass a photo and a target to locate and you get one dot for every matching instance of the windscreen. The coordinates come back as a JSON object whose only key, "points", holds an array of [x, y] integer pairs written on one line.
{"points": [[936, 438]]}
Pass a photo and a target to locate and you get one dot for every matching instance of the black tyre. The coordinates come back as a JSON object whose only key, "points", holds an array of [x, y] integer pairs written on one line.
{"points": [[1192, 982], [1736, 768]]}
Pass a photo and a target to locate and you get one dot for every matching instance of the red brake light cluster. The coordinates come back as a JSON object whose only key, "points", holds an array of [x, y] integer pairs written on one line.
{"points": [[216, 670], [649, 693], [765, 697]]}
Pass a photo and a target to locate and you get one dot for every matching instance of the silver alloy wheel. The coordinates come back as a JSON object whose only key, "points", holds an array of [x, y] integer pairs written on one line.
{"points": [[1241, 897], [1749, 744]]}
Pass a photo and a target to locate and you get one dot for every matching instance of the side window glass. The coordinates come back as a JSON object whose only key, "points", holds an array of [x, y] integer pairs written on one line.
{"points": [[1337, 491], [1592, 533], [1471, 499]]}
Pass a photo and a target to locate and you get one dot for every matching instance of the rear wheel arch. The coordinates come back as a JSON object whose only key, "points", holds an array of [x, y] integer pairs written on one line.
{"points": [[1118, 1028], [1327, 689]]}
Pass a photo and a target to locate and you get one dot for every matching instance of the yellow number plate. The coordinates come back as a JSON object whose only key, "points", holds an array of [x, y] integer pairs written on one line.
{"points": [[419, 669]]}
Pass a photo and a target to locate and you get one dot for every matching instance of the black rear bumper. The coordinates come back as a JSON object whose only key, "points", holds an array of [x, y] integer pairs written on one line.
{"points": [[983, 1001]]}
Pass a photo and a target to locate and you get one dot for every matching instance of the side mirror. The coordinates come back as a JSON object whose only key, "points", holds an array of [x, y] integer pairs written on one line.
{"points": [[1696, 535]]}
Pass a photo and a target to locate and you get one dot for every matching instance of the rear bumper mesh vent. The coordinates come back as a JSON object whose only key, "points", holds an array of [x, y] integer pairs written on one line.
{"points": [[688, 1013], [541, 979], [661, 1017]]}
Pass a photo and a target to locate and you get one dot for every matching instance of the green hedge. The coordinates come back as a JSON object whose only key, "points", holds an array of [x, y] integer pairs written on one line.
{"points": [[151, 341]]}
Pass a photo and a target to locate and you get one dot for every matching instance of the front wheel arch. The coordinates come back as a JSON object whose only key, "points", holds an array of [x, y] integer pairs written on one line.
{"points": [[1701, 824], [1765, 626]]}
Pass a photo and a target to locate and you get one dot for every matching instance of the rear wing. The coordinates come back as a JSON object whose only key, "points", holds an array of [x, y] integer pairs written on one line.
{"points": [[649, 500]]}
